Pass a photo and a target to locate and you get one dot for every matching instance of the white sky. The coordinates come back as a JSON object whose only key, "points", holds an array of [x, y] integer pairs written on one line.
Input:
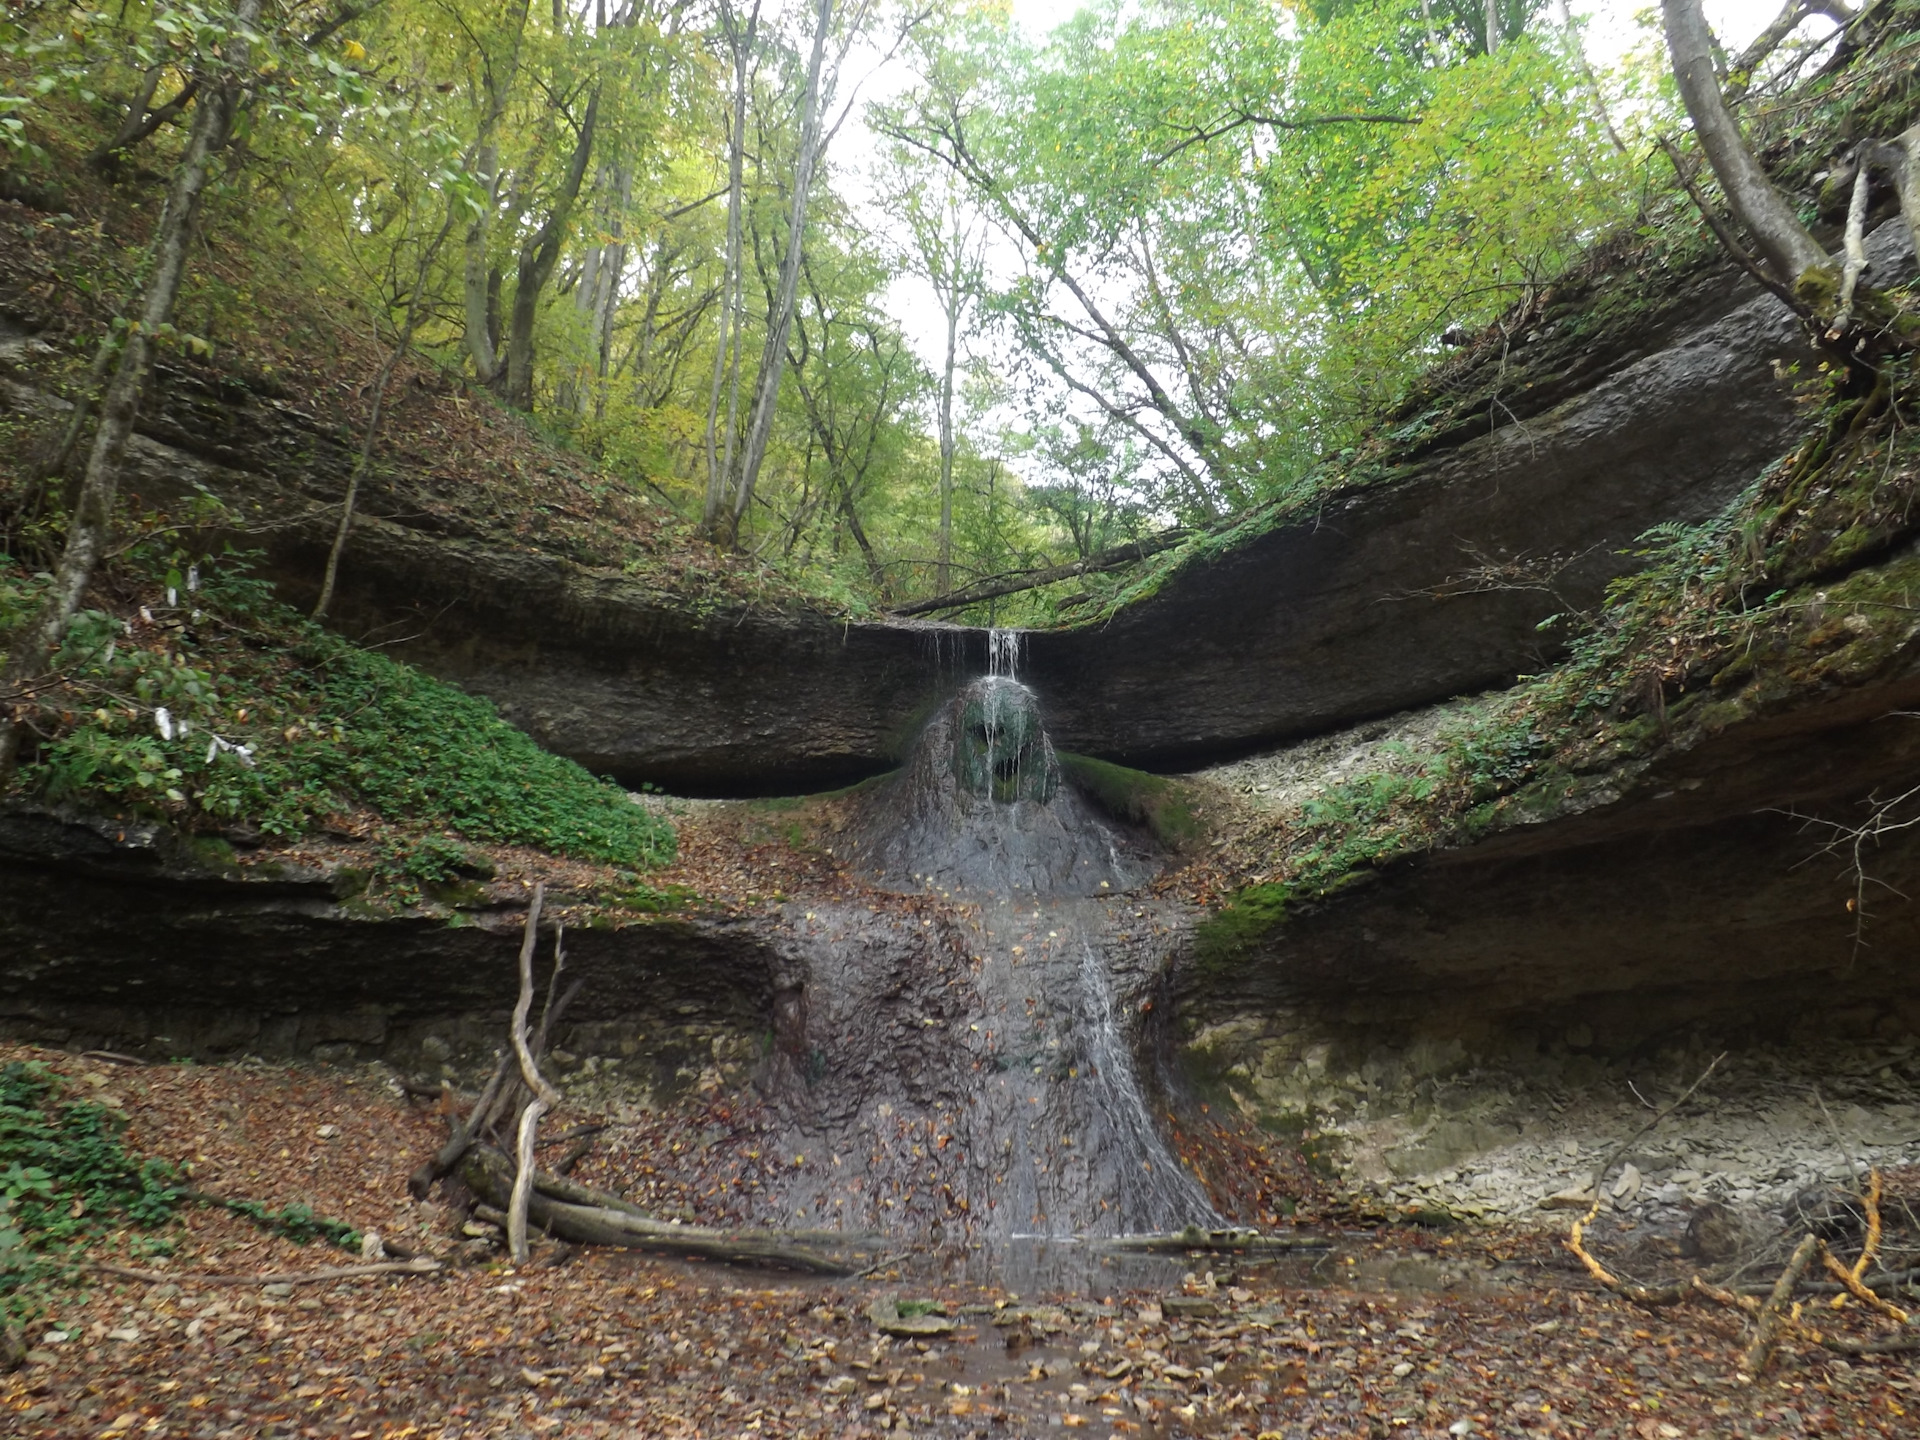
{"points": [[1611, 28]]}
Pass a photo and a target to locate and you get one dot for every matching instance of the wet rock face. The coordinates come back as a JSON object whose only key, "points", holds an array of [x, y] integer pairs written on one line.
{"points": [[982, 806], [1000, 751], [973, 1077], [963, 1063]]}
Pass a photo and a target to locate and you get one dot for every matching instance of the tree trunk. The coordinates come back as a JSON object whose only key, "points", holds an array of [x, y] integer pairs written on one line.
{"points": [[1493, 26], [416, 313], [780, 319], [599, 293], [1564, 19], [91, 523], [586, 1217], [481, 304], [360, 464], [538, 256], [481, 289], [1789, 250], [726, 355], [943, 574]]}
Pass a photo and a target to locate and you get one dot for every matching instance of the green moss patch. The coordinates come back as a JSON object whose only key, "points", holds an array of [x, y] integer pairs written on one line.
{"points": [[1161, 806], [203, 701]]}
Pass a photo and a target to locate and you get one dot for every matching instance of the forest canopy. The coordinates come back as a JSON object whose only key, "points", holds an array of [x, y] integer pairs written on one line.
{"points": [[1178, 253]]}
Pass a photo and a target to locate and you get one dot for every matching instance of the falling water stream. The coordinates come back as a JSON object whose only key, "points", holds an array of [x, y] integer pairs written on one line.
{"points": [[962, 1065]]}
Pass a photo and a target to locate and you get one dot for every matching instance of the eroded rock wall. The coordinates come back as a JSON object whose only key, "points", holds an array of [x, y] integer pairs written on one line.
{"points": [[119, 933], [1367, 606]]}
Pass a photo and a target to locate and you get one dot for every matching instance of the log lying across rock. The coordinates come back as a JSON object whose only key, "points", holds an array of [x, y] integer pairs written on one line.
{"points": [[585, 1216]]}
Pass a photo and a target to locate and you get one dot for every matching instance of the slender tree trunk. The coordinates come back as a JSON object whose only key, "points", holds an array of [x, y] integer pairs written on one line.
{"points": [[365, 458], [1564, 20], [726, 355], [416, 313], [537, 260], [481, 292], [780, 320], [608, 273], [480, 305], [90, 526], [1784, 242], [1494, 36], [53, 459], [875, 571], [944, 573]]}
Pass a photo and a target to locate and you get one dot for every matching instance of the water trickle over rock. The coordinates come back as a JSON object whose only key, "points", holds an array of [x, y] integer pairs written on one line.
{"points": [[982, 806], [983, 1073]]}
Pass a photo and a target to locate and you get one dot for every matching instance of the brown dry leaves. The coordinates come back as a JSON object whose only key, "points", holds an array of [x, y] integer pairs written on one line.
{"points": [[606, 1343]]}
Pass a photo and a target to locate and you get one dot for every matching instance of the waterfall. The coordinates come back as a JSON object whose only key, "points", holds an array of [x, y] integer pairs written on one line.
{"points": [[1017, 1045], [1165, 1196], [1003, 654]]}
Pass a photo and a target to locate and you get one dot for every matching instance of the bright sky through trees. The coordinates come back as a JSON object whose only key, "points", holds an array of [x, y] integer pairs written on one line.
{"points": [[1072, 271], [1611, 28]]}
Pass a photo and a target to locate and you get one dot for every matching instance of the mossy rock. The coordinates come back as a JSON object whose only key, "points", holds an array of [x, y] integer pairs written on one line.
{"points": [[1231, 934], [1160, 805]]}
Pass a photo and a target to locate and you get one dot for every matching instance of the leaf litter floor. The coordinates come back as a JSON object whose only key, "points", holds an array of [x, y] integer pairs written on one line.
{"points": [[1393, 1332]]}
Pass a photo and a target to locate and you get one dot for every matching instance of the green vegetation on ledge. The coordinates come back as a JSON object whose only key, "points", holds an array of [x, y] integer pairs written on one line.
{"points": [[196, 698], [1800, 588]]}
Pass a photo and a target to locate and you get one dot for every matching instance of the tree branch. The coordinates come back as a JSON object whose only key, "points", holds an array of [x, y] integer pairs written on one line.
{"points": [[545, 1097], [1726, 237], [1116, 558]]}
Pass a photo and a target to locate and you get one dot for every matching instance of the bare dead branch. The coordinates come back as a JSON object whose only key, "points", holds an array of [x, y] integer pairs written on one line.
{"points": [[421, 1265], [1856, 251], [1774, 1316], [1620, 1150], [464, 1132], [545, 1097]]}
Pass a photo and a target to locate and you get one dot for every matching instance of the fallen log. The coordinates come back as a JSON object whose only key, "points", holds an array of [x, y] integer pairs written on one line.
{"points": [[608, 1220], [419, 1266]]}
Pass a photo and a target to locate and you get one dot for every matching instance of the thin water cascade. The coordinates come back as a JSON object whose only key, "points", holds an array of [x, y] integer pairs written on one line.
{"points": [[1003, 653], [989, 1087], [1165, 1196]]}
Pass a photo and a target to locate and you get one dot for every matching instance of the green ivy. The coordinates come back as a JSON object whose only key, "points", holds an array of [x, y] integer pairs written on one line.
{"points": [[66, 1182], [227, 705], [297, 1223]]}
